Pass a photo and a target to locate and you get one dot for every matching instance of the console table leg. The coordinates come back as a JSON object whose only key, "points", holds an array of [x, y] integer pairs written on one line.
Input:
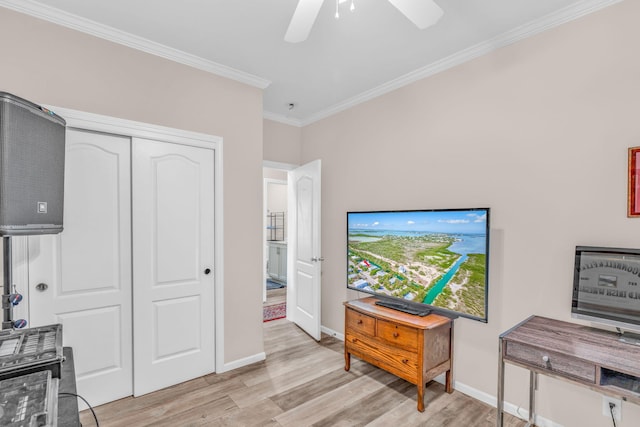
{"points": [[500, 402], [533, 386], [347, 360]]}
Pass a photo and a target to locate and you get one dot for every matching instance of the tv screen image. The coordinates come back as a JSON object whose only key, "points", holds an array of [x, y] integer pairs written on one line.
{"points": [[435, 258], [606, 286]]}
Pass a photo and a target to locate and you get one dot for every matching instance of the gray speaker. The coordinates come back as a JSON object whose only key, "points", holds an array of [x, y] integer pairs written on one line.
{"points": [[31, 168]]}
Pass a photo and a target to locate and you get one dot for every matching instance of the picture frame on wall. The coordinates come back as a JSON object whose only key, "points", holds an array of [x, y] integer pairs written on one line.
{"points": [[633, 203]]}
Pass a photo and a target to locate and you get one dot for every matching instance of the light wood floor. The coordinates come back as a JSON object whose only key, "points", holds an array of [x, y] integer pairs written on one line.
{"points": [[301, 383], [276, 296]]}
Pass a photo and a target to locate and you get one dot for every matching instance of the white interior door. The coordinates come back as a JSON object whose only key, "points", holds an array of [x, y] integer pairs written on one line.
{"points": [[87, 268], [305, 256], [173, 242]]}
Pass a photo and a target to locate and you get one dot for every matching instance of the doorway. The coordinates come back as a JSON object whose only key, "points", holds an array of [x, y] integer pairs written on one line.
{"points": [[275, 244], [303, 249]]}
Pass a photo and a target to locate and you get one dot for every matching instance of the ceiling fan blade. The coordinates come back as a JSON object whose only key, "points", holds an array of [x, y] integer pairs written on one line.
{"points": [[423, 13], [302, 21]]}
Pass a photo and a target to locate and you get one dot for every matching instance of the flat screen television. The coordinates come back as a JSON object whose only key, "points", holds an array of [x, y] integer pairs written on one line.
{"points": [[421, 260], [606, 287]]}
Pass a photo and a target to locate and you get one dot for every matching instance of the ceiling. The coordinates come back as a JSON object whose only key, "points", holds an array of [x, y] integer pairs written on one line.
{"points": [[363, 54]]}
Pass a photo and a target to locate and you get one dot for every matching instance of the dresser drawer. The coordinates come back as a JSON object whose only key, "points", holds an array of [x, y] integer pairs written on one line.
{"points": [[398, 335], [552, 362], [361, 323], [395, 360]]}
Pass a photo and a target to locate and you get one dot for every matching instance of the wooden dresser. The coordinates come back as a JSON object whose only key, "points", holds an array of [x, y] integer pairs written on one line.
{"points": [[414, 348], [587, 356]]}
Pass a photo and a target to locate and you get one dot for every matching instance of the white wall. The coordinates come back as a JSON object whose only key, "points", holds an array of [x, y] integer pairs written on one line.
{"points": [[537, 131], [277, 198], [52, 65]]}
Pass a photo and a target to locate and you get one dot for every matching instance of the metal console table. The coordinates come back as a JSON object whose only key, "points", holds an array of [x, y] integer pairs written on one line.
{"points": [[583, 355]]}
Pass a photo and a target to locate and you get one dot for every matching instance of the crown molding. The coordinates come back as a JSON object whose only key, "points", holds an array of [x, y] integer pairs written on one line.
{"points": [[532, 28], [57, 16], [545, 23], [281, 119]]}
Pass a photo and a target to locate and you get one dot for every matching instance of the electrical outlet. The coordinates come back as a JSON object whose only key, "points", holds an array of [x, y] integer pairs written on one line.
{"points": [[617, 410]]}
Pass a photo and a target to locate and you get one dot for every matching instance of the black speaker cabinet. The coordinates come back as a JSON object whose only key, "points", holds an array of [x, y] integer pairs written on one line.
{"points": [[31, 168]]}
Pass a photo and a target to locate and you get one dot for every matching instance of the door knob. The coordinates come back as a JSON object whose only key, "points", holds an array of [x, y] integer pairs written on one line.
{"points": [[207, 270], [42, 287]]}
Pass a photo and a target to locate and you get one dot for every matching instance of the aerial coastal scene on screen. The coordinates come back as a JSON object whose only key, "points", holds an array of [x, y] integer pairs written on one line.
{"points": [[434, 257]]}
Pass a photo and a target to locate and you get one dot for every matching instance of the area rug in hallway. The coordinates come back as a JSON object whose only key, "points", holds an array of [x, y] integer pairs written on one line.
{"points": [[273, 312]]}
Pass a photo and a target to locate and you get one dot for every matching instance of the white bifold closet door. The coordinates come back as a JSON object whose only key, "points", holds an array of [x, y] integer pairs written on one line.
{"points": [[173, 244], [131, 276], [86, 270]]}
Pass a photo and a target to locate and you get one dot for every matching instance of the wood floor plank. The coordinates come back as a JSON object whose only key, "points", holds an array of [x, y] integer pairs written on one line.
{"points": [[474, 414], [332, 343], [123, 407], [436, 400], [296, 396], [151, 408], [320, 407], [301, 383], [236, 374], [260, 414], [447, 414], [283, 383], [195, 414], [276, 296], [370, 407], [300, 359]]}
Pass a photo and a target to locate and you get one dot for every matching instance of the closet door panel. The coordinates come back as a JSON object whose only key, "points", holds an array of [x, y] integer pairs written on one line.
{"points": [[87, 268], [173, 241]]}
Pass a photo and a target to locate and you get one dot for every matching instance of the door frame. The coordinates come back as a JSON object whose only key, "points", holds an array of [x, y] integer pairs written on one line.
{"points": [[99, 123], [265, 254]]}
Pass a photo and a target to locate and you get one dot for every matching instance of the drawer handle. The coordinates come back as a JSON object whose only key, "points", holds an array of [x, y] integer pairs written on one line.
{"points": [[359, 321], [395, 335], [545, 359], [405, 361]]}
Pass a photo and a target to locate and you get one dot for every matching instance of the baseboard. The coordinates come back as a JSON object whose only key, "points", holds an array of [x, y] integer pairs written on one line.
{"points": [[487, 398], [491, 400], [259, 357], [332, 333]]}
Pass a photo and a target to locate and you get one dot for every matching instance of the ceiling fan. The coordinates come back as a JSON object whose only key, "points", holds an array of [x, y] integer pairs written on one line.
{"points": [[423, 13]]}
